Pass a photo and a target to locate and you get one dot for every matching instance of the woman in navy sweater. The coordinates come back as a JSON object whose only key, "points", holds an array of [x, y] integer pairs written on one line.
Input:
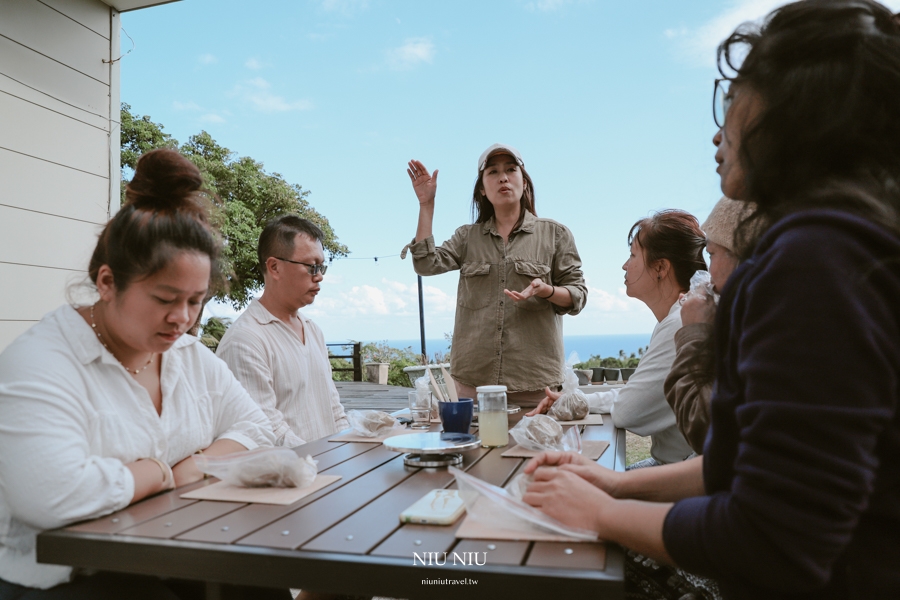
{"points": [[797, 494]]}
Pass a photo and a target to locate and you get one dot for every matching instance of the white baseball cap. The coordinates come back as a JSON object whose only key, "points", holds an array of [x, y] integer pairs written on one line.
{"points": [[498, 149]]}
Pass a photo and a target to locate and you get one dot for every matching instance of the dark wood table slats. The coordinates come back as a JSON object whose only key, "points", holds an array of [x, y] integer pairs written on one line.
{"points": [[139, 513], [566, 555], [339, 453], [253, 517], [169, 525], [305, 544], [301, 526], [495, 552], [363, 530], [493, 468], [321, 446]]}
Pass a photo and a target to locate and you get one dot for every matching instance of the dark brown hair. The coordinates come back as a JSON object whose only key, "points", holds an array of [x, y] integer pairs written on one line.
{"points": [[673, 235], [483, 210], [828, 132], [164, 212], [278, 236]]}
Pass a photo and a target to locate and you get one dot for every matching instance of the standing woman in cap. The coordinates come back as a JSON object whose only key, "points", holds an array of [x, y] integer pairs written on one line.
{"points": [[518, 275]]}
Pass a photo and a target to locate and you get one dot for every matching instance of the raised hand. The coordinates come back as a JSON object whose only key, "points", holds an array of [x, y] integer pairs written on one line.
{"points": [[425, 185]]}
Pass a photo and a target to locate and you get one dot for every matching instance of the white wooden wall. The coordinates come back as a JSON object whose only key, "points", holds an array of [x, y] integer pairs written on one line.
{"points": [[59, 149]]}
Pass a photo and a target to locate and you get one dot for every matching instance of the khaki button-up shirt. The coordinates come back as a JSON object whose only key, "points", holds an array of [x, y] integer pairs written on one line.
{"points": [[496, 340]]}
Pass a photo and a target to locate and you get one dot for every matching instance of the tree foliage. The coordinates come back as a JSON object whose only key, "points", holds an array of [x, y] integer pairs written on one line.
{"points": [[246, 197], [612, 362]]}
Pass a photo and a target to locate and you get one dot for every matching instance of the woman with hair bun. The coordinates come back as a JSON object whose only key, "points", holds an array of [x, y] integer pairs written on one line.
{"points": [[666, 251], [103, 405]]}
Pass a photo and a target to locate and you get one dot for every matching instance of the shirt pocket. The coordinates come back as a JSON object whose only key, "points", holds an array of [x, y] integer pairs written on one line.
{"points": [[525, 272], [475, 289]]}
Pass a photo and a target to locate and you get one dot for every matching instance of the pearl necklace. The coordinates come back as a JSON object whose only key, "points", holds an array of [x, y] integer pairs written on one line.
{"points": [[100, 337]]}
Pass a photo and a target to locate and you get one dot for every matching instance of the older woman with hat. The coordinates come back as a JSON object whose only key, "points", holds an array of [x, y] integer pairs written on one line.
{"points": [[688, 386], [507, 249]]}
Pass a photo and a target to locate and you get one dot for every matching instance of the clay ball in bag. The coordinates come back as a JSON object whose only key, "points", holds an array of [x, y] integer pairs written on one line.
{"points": [[570, 406], [370, 423], [537, 433]]}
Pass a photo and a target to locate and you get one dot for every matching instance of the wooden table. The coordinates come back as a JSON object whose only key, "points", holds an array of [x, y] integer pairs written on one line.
{"points": [[345, 538]]}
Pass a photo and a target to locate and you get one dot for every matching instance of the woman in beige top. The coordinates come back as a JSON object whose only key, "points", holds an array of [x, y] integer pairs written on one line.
{"points": [[507, 248]]}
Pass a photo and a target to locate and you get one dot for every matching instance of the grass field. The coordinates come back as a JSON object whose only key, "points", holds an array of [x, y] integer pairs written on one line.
{"points": [[636, 448]]}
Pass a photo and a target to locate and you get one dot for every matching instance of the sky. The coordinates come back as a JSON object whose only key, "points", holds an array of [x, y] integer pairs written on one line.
{"points": [[609, 103]]}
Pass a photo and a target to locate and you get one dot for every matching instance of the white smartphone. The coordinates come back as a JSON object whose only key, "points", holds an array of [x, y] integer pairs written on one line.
{"points": [[437, 507]]}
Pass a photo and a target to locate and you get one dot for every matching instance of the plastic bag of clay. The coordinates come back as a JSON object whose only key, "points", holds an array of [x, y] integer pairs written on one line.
{"points": [[540, 432], [423, 388], [701, 285], [572, 404], [495, 508], [370, 423], [263, 467], [518, 485]]}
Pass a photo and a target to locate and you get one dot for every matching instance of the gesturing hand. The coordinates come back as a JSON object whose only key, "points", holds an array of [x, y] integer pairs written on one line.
{"points": [[537, 287], [425, 185], [545, 404]]}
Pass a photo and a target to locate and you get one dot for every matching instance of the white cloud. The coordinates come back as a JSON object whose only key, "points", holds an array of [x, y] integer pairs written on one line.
{"points": [[186, 106], [599, 300], [257, 92], [252, 63], [207, 59], [212, 118], [700, 44], [413, 52], [390, 298]]}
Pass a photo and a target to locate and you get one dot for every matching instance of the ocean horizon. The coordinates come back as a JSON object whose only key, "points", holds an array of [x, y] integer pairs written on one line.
{"points": [[582, 346]]}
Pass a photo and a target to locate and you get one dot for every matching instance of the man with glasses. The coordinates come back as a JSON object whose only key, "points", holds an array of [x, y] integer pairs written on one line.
{"points": [[278, 354]]}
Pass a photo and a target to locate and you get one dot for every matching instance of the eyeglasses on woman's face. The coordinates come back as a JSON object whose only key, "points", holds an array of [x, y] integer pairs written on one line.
{"points": [[313, 269], [721, 100]]}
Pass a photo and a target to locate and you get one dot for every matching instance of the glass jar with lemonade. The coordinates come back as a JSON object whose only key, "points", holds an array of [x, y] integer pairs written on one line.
{"points": [[493, 420]]}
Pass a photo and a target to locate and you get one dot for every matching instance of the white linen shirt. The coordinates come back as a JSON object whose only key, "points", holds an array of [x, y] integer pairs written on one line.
{"points": [[289, 379], [71, 418], [640, 406]]}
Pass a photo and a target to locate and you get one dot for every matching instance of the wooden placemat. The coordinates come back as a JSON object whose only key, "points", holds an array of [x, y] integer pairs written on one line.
{"points": [[593, 449], [479, 530], [591, 419], [354, 437], [225, 492]]}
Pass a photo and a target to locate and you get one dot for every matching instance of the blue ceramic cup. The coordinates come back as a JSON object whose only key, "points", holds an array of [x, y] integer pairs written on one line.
{"points": [[456, 417]]}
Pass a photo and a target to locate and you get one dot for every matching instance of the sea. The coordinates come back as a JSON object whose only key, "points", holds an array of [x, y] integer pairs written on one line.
{"points": [[578, 348]]}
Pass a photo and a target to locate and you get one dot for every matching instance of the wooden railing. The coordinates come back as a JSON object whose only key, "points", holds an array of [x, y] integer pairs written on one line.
{"points": [[356, 357]]}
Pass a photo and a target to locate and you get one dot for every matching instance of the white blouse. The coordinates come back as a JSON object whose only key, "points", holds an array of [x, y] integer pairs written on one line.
{"points": [[641, 406], [71, 418]]}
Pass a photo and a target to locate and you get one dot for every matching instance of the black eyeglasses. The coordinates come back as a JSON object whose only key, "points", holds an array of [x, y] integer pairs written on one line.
{"points": [[721, 100], [313, 269]]}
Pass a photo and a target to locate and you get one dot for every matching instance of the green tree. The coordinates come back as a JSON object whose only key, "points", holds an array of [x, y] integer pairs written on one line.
{"points": [[246, 198], [212, 331]]}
